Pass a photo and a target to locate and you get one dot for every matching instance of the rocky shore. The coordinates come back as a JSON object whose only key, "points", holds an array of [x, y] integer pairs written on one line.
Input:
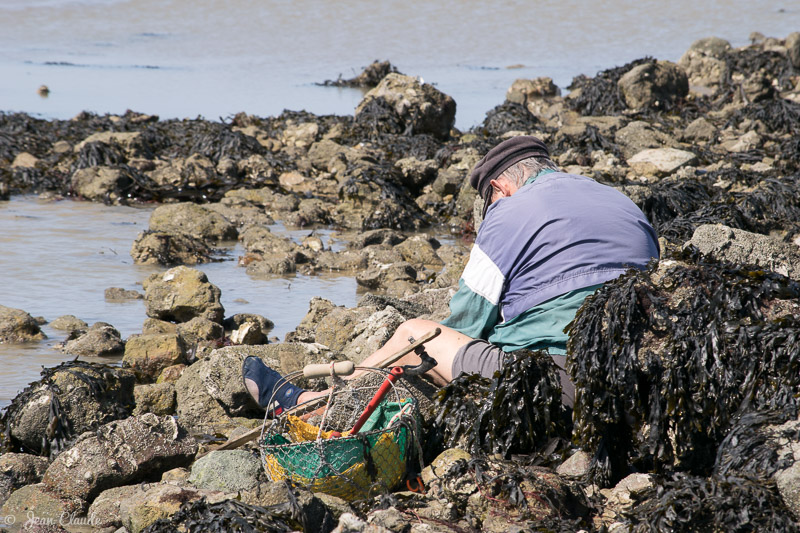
{"points": [[688, 373]]}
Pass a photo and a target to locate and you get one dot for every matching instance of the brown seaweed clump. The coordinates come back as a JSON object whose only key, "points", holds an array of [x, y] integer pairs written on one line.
{"points": [[667, 361], [519, 411]]}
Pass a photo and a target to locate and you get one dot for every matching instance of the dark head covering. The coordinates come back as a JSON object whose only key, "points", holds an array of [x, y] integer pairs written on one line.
{"points": [[499, 159]]}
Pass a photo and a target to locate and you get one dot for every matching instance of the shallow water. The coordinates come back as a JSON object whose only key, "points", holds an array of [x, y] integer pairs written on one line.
{"points": [[183, 59], [58, 257]]}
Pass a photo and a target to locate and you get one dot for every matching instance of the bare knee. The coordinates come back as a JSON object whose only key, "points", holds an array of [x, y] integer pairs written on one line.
{"points": [[414, 328]]}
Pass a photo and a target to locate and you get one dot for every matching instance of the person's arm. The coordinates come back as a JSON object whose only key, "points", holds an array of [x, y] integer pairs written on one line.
{"points": [[474, 308]]}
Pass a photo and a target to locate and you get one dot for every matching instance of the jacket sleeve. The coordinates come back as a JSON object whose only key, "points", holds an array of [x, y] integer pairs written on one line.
{"points": [[474, 308]]}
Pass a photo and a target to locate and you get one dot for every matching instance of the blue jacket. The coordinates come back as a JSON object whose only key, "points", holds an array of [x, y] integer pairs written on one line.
{"points": [[560, 233]]}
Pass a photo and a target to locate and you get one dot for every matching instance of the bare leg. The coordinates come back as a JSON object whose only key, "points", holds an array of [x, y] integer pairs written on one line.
{"points": [[443, 348]]}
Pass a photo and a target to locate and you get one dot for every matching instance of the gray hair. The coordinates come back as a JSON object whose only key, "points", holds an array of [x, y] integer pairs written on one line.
{"points": [[517, 174]]}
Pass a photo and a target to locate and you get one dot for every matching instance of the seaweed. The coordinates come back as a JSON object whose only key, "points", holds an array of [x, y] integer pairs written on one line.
{"points": [[518, 411], [233, 515], [719, 503], [779, 115], [665, 361], [601, 95], [508, 116]]}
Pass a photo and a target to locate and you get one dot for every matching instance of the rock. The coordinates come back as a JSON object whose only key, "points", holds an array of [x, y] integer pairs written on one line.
{"points": [[105, 508], [126, 139], [743, 247], [156, 398], [194, 220], [80, 396], [180, 294], [271, 266], [419, 251], [623, 496], [749, 141], [346, 260], [171, 374], [195, 172], [163, 500], [24, 160], [119, 453], [321, 153], [236, 321], [658, 85], [68, 323], [699, 129], [260, 240], [163, 248], [576, 466], [660, 161], [523, 90], [211, 391], [99, 340], [118, 294], [350, 523], [148, 355], [704, 62], [793, 48], [37, 501], [416, 174], [228, 471], [442, 464], [153, 326], [241, 212], [102, 183], [18, 470], [18, 326], [248, 333], [421, 107], [300, 135], [200, 331], [639, 135]]}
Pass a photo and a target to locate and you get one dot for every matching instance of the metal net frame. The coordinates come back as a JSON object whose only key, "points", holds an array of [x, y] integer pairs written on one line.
{"points": [[311, 445]]}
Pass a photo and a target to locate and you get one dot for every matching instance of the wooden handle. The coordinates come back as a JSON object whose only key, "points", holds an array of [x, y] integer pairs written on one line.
{"points": [[389, 361], [342, 368]]}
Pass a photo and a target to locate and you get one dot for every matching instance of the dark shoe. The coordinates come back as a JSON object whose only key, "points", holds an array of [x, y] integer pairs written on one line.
{"points": [[265, 385]]}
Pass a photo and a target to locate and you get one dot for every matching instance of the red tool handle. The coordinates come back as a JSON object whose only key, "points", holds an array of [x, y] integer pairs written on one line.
{"points": [[397, 372]]}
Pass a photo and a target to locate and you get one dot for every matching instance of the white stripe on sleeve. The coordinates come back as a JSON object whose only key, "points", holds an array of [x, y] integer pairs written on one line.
{"points": [[482, 276]]}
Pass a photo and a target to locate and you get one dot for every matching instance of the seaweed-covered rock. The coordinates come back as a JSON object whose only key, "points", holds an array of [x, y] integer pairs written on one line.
{"points": [[369, 77], [119, 453], [18, 326], [683, 348], [69, 399], [164, 248], [420, 107], [601, 95], [657, 85], [192, 219], [518, 411], [180, 294], [99, 340]]}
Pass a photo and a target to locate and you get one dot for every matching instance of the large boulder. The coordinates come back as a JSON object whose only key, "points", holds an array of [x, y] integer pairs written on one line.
{"points": [[421, 107], [99, 340], [18, 470], [18, 326], [523, 91], [639, 135], [102, 183], [180, 294], [194, 220], [119, 453], [739, 246], [37, 501], [161, 501], [69, 399], [704, 63], [654, 85], [163, 248]]}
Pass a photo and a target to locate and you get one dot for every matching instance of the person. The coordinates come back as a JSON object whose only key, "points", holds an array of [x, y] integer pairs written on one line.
{"points": [[547, 241]]}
